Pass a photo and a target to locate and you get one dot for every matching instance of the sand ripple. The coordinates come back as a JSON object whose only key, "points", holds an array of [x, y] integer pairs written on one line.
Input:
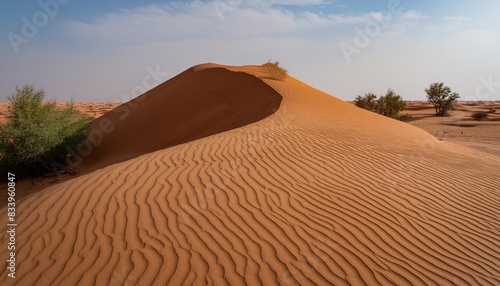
{"points": [[319, 193]]}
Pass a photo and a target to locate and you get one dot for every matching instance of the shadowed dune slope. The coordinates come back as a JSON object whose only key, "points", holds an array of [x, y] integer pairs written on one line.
{"points": [[319, 193], [194, 104]]}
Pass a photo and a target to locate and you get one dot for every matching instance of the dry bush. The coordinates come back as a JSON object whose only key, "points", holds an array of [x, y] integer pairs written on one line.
{"points": [[275, 71], [480, 116]]}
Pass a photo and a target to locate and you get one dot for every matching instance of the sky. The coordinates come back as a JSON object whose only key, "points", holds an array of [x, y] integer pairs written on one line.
{"points": [[112, 51]]}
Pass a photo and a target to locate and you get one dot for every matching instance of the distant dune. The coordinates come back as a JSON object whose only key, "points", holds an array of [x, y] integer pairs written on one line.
{"points": [[224, 176]]}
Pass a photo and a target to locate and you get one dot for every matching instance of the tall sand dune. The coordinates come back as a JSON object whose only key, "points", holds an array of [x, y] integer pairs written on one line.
{"points": [[318, 193], [194, 104]]}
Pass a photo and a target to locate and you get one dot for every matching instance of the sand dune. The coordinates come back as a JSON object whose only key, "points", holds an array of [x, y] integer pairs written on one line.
{"points": [[196, 103], [318, 193]]}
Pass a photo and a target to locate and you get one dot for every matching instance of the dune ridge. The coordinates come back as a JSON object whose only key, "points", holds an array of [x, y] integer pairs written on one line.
{"points": [[318, 193], [194, 104]]}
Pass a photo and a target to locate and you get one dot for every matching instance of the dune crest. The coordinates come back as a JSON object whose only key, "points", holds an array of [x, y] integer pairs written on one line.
{"points": [[318, 193], [201, 101]]}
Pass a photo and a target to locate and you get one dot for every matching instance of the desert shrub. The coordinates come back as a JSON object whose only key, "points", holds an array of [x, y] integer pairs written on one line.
{"points": [[275, 71], [368, 101], [404, 117], [38, 134], [480, 115], [389, 105], [441, 98]]}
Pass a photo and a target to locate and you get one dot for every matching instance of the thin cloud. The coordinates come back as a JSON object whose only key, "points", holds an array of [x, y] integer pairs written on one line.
{"points": [[457, 19], [289, 2], [412, 15], [449, 24], [214, 20], [357, 19], [194, 20]]}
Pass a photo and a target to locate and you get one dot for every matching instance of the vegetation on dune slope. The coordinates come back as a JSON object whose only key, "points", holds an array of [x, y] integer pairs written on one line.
{"points": [[38, 135], [275, 70], [389, 105]]}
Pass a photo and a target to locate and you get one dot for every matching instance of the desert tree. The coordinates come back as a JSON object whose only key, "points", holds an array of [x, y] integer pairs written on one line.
{"points": [[38, 134], [441, 98], [389, 105], [367, 101]]}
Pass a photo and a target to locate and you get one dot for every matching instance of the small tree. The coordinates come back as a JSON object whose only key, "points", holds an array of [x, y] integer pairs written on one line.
{"points": [[368, 101], [441, 98], [389, 105], [38, 135]]}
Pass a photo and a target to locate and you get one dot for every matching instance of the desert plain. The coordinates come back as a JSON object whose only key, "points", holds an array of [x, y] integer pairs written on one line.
{"points": [[225, 176]]}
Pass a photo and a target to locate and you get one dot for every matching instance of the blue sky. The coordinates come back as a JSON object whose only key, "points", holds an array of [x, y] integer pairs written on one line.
{"points": [[114, 50]]}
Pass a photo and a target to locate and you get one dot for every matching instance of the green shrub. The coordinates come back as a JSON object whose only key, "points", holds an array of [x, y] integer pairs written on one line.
{"points": [[404, 117], [441, 98], [389, 105], [38, 134], [368, 101], [275, 71], [480, 116]]}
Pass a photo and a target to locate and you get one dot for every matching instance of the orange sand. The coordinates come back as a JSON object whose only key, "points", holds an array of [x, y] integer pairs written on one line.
{"points": [[94, 110], [190, 106], [460, 127], [318, 193]]}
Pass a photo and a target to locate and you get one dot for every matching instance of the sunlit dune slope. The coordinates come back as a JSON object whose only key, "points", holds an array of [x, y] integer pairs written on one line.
{"points": [[196, 103], [318, 193]]}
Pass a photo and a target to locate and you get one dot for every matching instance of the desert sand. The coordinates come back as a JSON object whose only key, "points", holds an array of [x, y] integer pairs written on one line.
{"points": [[459, 127], [94, 110], [276, 183]]}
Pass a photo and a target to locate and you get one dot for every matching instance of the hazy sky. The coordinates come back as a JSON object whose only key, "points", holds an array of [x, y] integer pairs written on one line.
{"points": [[114, 50]]}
